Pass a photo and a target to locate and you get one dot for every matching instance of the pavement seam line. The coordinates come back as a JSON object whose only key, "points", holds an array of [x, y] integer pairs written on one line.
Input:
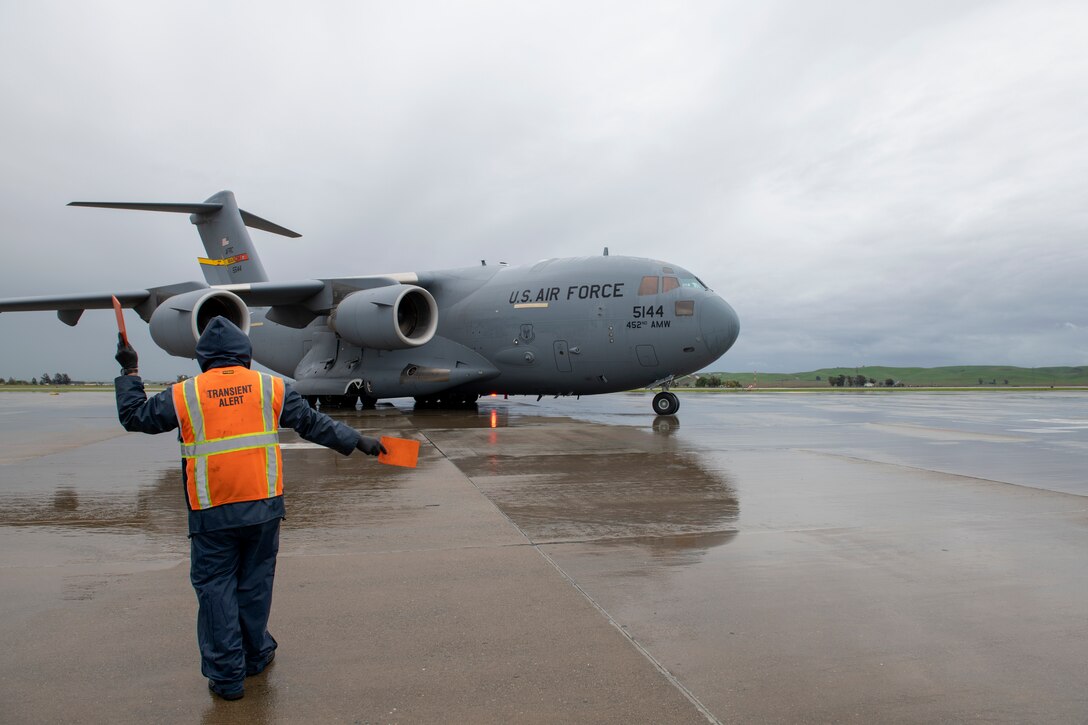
{"points": [[662, 670]]}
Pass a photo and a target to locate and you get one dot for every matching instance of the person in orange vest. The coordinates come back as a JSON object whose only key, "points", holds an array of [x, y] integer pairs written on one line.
{"points": [[227, 419]]}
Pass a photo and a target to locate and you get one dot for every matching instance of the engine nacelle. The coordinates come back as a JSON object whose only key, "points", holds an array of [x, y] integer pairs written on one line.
{"points": [[177, 323], [387, 318]]}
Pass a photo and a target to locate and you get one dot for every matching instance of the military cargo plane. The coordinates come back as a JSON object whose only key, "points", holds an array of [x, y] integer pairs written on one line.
{"points": [[575, 326]]}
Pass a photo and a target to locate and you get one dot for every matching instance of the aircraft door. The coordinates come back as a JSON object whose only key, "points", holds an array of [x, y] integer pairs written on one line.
{"points": [[562, 356], [647, 356]]}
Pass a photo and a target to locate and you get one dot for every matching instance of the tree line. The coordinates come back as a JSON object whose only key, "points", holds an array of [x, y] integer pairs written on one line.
{"points": [[855, 381], [715, 381], [46, 379]]}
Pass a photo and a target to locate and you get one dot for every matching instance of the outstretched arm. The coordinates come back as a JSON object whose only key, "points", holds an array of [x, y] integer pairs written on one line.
{"points": [[319, 428]]}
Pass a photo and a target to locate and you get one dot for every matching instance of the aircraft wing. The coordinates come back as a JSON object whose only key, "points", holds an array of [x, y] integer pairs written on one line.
{"points": [[319, 295], [73, 302], [296, 304], [70, 307], [293, 303]]}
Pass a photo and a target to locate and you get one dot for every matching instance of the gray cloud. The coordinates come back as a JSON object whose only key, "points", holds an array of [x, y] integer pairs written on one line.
{"points": [[878, 183]]}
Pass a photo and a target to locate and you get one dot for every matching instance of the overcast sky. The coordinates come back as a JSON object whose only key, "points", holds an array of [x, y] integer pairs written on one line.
{"points": [[877, 183]]}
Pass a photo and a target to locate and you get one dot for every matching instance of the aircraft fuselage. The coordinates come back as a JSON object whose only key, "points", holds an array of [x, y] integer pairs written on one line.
{"points": [[560, 326]]}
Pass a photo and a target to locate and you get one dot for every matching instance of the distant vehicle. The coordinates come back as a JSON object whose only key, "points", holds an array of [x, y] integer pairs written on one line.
{"points": [[574, 326]]}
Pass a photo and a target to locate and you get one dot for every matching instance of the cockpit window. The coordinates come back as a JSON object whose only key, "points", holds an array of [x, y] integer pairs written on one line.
{"points": [[685, 308], [651, 285], [648, 286]]}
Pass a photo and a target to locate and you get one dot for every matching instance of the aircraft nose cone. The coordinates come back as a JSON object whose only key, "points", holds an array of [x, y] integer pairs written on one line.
{"points": [[720, 325]]}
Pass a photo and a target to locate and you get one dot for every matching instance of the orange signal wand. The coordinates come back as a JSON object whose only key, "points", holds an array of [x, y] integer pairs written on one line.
{"points": [[120, 319], [400, 452]]}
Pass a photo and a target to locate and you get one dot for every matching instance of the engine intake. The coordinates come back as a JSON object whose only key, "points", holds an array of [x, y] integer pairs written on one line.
{"points": [[176, 324], [387, 318]]}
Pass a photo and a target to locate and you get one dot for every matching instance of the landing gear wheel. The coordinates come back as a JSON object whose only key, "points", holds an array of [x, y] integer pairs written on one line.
{"points": [[339, 402], [447, 401], [464, 401], [666, 404]]}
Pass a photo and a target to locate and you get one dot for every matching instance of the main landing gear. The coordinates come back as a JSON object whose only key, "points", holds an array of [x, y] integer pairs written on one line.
{"points": [[338, 402], [341, 402], [447, 401], [666, 403]]}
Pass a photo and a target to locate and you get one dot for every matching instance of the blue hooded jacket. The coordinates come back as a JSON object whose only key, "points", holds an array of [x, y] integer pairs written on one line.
{"points": [[222, 344]]}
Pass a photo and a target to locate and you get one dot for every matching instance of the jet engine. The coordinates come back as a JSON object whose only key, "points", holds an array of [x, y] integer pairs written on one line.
{"points": [[387, 318], [176, 324]]}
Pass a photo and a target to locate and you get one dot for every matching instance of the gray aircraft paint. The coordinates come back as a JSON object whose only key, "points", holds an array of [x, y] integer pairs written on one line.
{"points": [[572, 326]]}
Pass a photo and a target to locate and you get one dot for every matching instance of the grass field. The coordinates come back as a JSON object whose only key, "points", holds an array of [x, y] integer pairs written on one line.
{"points": [[81, 388], [962, 376]]}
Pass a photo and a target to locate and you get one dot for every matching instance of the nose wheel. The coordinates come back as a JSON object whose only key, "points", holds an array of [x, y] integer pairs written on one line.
{"points": [[666, 403]]}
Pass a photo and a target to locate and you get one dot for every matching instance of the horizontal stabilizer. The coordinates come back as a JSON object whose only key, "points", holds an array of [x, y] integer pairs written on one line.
{"points": [[255, 222], [250, 220], [204, 208]]}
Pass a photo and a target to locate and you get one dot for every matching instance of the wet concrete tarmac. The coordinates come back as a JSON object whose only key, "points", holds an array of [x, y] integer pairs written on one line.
{"points": [[757, 558]]}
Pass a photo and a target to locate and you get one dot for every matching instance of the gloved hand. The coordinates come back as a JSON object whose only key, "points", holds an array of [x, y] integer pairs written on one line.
{"points": [[126, 355], [370, 446]]}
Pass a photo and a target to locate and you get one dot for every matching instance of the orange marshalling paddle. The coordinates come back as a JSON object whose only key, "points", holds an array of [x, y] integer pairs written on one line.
{"points": [[120, 319], [401, 452]]}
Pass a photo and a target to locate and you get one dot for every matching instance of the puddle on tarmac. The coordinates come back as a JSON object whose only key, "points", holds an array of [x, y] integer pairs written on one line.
{"points": [[622, 495], [580, 481], [155, 510]]}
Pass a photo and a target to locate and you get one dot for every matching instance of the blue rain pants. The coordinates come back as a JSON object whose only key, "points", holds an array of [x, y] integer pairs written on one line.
{"points": [[232, 571]]}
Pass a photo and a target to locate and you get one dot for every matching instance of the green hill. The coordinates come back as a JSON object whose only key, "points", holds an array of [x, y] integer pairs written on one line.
{"points": [[957, 376]]}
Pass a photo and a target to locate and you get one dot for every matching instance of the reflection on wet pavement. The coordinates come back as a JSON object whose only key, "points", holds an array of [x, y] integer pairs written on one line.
{"points": [[593, 482], [156, 510], [581, 497]]}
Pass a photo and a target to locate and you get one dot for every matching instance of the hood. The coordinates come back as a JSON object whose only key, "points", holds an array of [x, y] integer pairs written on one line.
{"points": [[222, 344]]}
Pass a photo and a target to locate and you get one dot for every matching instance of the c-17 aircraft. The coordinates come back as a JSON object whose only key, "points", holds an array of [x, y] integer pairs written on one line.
{"points": [[574, 326]]}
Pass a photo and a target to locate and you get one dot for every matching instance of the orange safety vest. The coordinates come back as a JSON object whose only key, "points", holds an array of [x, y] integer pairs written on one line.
{"points": [[229, 420]]}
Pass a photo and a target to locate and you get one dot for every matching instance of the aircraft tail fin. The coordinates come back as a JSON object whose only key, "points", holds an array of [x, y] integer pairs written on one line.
{"points": [[232, 258]]}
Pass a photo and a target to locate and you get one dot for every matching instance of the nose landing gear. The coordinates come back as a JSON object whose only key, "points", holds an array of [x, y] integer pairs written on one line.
{"points": [[666, 403]]}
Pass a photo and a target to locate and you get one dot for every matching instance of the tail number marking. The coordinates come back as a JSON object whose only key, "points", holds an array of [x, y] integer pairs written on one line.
{"points": [[640, 311]]}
